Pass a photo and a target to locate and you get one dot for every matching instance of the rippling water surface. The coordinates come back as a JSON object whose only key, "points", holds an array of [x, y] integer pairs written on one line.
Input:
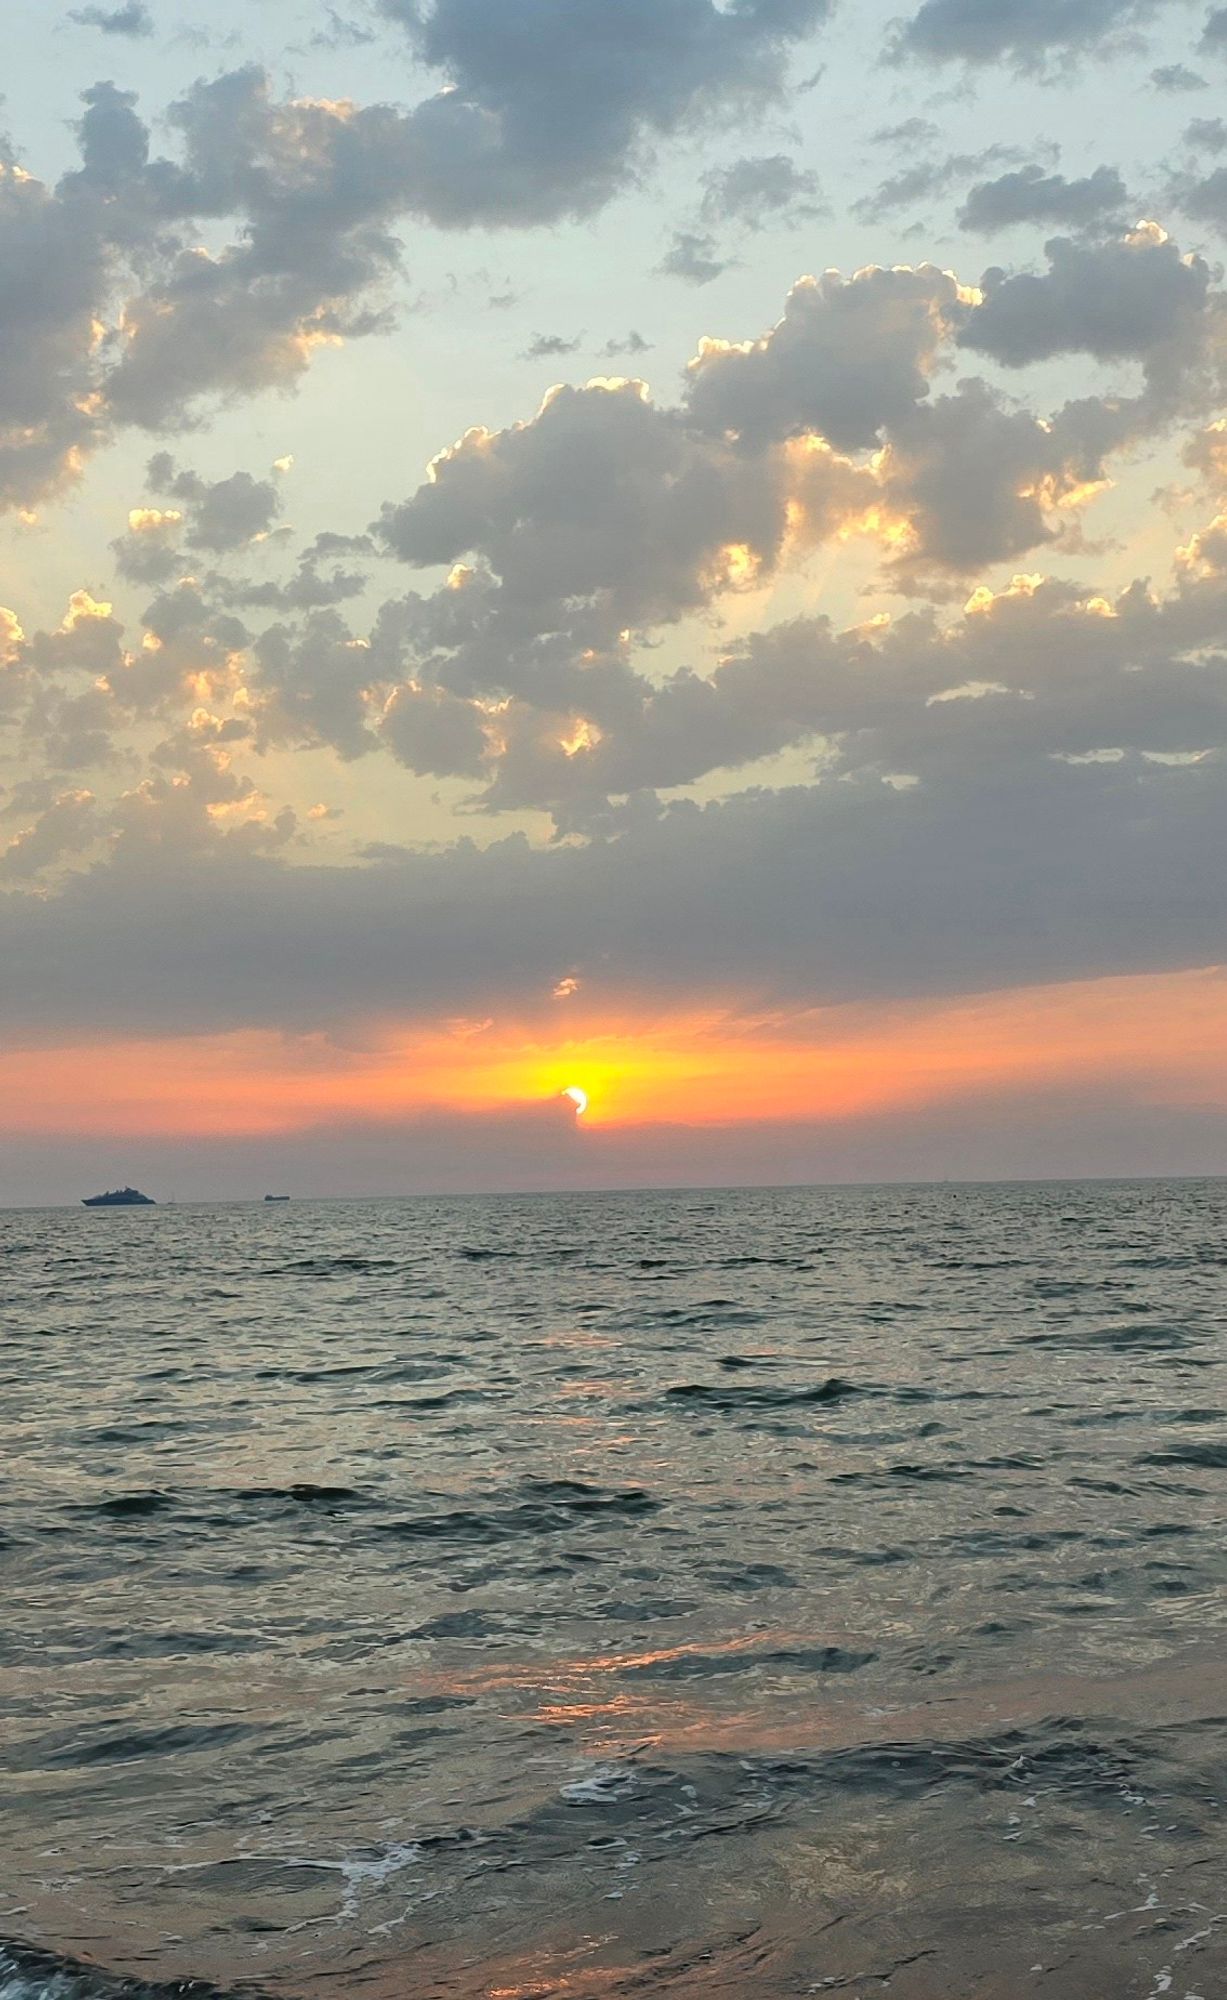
{"points": [[756, 1593]]}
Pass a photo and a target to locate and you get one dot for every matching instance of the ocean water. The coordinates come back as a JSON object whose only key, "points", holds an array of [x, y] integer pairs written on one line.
{"points": [[759, 1593]]}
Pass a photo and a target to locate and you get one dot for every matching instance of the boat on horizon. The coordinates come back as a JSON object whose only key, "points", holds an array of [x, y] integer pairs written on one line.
{"points": [[276, 1197], [125, 1197]]}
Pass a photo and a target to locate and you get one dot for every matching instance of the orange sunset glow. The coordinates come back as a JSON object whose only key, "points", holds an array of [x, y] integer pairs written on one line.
{"points": [[1162, 1037]]}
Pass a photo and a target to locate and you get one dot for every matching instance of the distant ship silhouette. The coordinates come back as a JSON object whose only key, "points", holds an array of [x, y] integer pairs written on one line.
{"points": [[276, 1197], [126, 1197]]}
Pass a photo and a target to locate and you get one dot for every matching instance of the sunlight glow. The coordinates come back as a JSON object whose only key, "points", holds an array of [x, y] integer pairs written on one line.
{"points": [[585, 736], [1155, 1038]]}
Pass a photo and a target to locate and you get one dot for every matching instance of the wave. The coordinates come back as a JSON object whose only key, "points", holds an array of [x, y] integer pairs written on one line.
{"points": [[30, 1972], [759, 1395]]}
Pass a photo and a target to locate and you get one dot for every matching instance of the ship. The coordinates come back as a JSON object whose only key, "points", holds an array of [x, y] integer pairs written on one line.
{"points": [[125, 1197], [276, 1197]]}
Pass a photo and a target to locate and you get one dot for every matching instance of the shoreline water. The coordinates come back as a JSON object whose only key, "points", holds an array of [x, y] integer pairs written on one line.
{"points": [[1024, 1756], [761, 1592]]}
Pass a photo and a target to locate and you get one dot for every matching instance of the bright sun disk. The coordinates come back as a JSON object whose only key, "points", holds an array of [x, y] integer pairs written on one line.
{"points": [[579, 1099]]}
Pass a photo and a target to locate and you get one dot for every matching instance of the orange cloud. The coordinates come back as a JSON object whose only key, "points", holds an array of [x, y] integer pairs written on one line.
{"points": [[1159, 1038]]}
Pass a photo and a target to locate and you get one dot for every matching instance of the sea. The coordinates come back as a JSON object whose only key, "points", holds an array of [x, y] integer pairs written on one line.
{"points": [[806, 1591]]}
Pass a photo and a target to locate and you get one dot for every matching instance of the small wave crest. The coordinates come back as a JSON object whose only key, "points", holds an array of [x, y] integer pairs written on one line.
{"points": [[29, 1972]]}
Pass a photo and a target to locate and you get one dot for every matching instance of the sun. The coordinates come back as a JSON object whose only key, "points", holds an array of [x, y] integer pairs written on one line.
{"points": [[579, 1099]]}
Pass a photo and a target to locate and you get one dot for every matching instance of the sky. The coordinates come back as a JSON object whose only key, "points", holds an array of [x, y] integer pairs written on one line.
{"points": [[668, 550]]}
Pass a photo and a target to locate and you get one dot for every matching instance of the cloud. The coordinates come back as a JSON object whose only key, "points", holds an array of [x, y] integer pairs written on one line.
{"points": [[849, 355], [223, 514], [924, 179], [1029, 788], [1022, 33], [1173, 78], [1030, 195], [909, 132], [975, 481], [434, 733], [313, 682], [1136, 298], [1038, 671], [549, 107], [632, 344], [571, 540], [548, 345], [573, 537], [67, 826], [215, 518], [694, 258], [140, 287], [150, 551], [826, 893], [1076, 1130], [1210, 133], [741, 198], [340, 33], [1205, 199], [55, 271], [1214, 34], [132, 21], [113, 311], [761, 191], [604, 514]]}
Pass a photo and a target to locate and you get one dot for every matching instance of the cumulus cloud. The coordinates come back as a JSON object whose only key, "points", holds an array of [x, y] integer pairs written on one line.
{"points": [[849, 355], [1024, 33], [437, 734], [606, 513], [1137, 298], [139, 287], [1214, 34], [1207, 134], [1205, 198], [210, 517], [548, 105], [314, 684], [55, 270], [1049, 751], [572, 538], [65, 827], [1035, 672], [761, 190], [133, 21], [114, 312], [1030, 195], [693, 257], [222, 514], [976, 482], [925, 178]]}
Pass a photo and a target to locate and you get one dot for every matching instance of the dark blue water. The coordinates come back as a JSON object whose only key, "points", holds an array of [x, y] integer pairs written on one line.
{"points": [[773, 1593]]}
